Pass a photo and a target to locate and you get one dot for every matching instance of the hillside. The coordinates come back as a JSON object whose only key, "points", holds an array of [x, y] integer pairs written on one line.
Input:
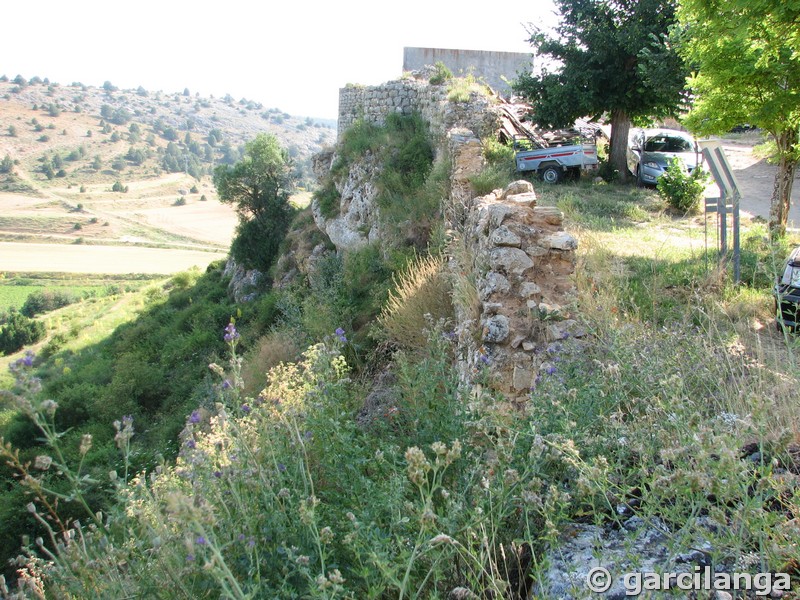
{"points": [[101, 166], [487, 388]]}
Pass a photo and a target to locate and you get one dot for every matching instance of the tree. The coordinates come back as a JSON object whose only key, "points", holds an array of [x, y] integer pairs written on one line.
{"points": [[7, 164], [259, 184], [614, 57], [747, 55]]}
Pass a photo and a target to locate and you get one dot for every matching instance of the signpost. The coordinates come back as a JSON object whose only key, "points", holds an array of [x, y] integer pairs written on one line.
{"points": [[726, 204]]}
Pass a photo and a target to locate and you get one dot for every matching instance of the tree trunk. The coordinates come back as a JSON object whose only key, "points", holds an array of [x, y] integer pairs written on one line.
{"points": [[618, 154], [784, 179]]}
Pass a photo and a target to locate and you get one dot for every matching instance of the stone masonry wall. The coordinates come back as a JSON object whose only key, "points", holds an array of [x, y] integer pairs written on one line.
{"points": [[373, 103], [522, 262]]}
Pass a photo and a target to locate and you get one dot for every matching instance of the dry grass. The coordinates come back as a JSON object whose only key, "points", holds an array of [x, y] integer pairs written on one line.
{"points": [[269, 351], [422, 292]]}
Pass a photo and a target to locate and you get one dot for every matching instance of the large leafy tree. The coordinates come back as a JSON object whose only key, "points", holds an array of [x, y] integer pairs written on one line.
{"points": [[747, 54], [259, 185], [607, 57]]}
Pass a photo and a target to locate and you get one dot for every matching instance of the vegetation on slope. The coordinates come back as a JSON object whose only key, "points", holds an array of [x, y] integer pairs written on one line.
{"points": [[300, 483]]}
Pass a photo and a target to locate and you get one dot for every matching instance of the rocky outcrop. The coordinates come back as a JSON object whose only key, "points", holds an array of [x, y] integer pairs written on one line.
{"points": [[357, 221], [244, 283]]}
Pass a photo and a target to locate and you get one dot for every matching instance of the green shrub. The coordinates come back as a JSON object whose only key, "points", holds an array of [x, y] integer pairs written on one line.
{"points": [[328, 200], [46, 300], [19, 331], [441, 74], [681, 190]]}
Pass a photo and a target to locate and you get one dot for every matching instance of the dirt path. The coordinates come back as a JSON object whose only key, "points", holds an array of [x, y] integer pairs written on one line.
{"points": [[755, 178]]}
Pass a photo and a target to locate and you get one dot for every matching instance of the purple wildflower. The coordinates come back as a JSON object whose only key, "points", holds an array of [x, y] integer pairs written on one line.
{"points": [[241, 537], [246, 409], [190, 444], [217, 474], [189, 557], [484, 359], [27, 360], [340, 335], [251, 543], [200, 541], [195, 416], [226, 384], [308, 435], [550, 369], [281, 467], [231, 335]]}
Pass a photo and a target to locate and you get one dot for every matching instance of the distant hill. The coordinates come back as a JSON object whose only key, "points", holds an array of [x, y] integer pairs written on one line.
{"points": [[131, 129], [102, 166]]}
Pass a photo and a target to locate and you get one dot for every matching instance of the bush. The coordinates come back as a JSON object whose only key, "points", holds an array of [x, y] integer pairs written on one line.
{"points": [[680, 189], [328, 200], [118, 187], [46, 300], [19, 331], [441, 74]]}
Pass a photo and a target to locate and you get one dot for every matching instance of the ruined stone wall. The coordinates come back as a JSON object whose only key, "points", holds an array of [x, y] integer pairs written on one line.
{"points": [[516, 254], [373, 103], [521, 261]]}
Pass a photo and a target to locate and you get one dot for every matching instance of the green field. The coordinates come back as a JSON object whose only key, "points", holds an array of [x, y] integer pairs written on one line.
{"points": [[15, 288]]}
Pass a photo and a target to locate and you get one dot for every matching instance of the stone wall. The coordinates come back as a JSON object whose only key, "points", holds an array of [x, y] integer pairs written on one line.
{"points": [[415, 94], [522, 262]]}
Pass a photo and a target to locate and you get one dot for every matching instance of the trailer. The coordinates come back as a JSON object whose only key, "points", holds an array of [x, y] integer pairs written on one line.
{"points": [[554, 163]]}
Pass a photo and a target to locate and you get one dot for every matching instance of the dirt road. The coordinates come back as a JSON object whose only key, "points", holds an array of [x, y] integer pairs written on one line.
{"points": [[756, 178]]}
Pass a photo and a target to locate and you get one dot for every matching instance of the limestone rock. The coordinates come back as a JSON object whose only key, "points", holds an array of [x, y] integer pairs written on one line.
{"points": [[520, 186], [533, 251], [493, 283], [503, 236], [527, 200], [510, 260], [496, 329], [560, 241], [528, 289], [548, 214], [522, 378]]}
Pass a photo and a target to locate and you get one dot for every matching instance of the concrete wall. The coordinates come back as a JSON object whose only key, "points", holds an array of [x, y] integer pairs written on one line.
{"points": [[490, 66]]}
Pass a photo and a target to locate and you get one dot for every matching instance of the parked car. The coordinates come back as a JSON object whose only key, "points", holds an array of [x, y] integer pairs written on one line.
{"points": [[787, 293], [650, 152]]}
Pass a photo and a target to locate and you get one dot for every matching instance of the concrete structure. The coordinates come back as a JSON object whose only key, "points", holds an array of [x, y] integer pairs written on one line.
{"points": [[491, 67]]}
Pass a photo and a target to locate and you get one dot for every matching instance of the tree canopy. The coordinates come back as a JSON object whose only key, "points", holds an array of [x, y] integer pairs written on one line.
{"points": [[609, 57], [259, 184], [747, 56]]}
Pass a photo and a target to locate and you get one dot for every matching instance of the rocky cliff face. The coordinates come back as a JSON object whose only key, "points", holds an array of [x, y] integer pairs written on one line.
{"points": [[357, 222]]}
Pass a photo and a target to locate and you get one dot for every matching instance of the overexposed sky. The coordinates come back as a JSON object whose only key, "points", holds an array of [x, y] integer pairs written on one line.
{"points": [[289, 54]]}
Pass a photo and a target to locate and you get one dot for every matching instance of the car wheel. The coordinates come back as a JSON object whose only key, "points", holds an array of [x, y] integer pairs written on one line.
{"points": [[639, 180], [552, 175]]}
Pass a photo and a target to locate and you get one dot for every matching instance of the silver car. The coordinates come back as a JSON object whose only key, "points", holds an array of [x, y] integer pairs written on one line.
{"points": [[650, 152]]}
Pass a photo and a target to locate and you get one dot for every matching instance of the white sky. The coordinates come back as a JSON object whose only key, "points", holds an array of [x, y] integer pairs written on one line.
{"points": [[288, 54]]}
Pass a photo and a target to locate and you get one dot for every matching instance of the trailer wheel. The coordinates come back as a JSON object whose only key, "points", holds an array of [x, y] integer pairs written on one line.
{"points": [[552, 175]]}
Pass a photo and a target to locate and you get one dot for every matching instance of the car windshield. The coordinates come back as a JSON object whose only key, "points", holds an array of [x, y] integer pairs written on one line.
{"points": [[791, 276], [666, 143]]}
